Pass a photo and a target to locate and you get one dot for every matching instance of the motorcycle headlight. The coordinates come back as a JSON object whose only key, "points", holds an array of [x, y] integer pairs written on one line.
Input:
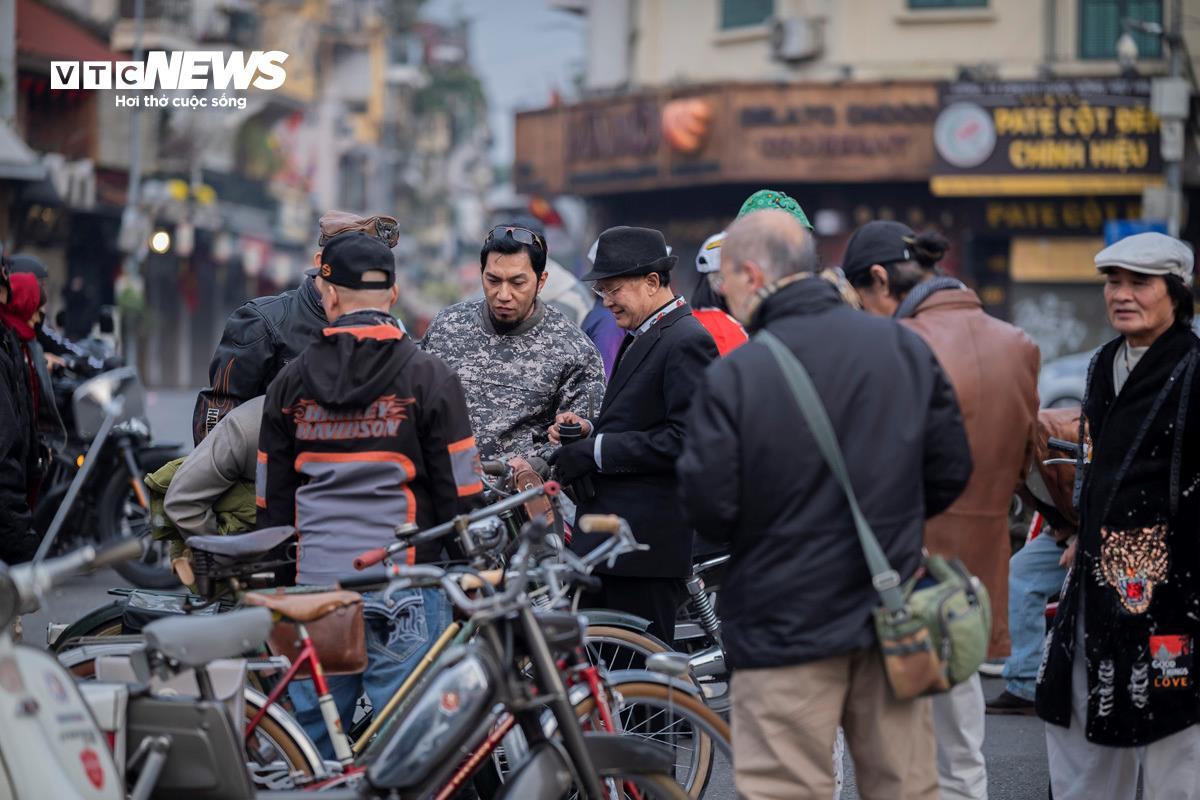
{"points": [[10, 598]]}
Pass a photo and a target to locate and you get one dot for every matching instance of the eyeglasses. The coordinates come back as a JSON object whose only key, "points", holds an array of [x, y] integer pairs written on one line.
{"points": [[519, 235], [606, 294], [385, 229]]}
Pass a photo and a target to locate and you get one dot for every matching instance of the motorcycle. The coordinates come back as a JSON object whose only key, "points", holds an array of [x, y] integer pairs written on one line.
{"points": [[113, 503]]}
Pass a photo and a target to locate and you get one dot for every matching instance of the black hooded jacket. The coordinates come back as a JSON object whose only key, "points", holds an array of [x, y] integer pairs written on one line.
{"points": [[798, 587], [362, 433], [18, 453], [259, 340]]}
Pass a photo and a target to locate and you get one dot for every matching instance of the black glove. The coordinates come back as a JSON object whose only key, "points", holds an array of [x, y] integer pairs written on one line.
{"points": [[573, 461]]}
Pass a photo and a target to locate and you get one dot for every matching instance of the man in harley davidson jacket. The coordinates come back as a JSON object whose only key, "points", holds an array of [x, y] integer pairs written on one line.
{"points": [[264, 334], [361, 433]]}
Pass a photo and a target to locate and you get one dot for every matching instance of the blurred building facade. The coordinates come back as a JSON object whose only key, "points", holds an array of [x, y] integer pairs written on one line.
{"points": [[379, 113], [1011, 125]]}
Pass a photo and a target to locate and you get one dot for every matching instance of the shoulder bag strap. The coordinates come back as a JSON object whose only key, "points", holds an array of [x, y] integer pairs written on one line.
{"points": [[885, 579]]}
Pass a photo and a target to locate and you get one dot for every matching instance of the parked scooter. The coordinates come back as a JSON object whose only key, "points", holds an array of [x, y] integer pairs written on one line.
{"points": [[50, 743]]}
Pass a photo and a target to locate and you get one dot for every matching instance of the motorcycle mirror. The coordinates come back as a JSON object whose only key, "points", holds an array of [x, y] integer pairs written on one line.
{"points": [[95, 399]]}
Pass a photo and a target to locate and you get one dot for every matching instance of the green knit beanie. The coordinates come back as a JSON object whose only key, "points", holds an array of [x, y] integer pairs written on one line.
{"points": [[765, 199]]}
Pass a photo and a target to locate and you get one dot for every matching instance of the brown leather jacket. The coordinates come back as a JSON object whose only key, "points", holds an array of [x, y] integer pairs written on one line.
{"points": [[993, 367]]}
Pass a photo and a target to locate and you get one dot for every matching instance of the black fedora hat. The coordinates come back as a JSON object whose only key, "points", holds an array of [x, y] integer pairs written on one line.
{"points": [[630, 251]]}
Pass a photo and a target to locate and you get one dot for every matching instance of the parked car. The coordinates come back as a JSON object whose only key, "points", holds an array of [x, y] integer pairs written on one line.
{"points": [[1062, 380]]}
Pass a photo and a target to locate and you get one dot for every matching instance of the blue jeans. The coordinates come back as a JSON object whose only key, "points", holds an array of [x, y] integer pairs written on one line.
{"points": [[1034, 576], [398, 636]]}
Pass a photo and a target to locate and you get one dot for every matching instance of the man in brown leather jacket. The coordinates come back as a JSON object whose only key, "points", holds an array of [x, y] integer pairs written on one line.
{"points": [[993, 367]]}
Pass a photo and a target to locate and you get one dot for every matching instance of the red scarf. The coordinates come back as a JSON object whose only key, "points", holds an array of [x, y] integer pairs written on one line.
{"points": [[23, 298]]}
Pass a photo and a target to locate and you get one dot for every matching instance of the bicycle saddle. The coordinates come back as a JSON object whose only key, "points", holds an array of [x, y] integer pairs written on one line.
{"points": [[243, 545], [196, 641], [303, 607]]}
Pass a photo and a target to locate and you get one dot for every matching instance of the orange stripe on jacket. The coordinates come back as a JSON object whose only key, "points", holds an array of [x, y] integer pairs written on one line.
{"points": [[467, 491], [381, 456], [461, 445], [368, 332]]}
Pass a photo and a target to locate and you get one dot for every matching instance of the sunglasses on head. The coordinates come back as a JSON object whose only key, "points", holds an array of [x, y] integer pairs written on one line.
{"points": [[385, 229], [517, 234]]}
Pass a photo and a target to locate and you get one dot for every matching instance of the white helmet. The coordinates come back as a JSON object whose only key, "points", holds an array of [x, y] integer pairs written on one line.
{"points": [[709, 257]]}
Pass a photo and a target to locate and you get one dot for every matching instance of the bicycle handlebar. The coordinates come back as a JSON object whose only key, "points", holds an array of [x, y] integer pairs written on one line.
{"points": [[600, 523], [1062, 444], [36, 577], [372, 557], [125, 551], [571, 566]]}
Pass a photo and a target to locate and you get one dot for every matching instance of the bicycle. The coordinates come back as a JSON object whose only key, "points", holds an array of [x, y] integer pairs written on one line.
{"points": [[677, 715]]}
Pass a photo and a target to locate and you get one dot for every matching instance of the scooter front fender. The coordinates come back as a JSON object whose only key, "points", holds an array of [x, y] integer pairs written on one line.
{"points": [[50, 744]]}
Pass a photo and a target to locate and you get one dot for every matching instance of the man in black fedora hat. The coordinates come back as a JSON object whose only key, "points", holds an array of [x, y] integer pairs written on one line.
{"points": [[630, 450]]}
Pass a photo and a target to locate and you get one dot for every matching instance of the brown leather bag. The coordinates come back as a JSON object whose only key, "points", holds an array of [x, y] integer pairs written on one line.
{"points": [[912, 664], [339, 634], [524, 476]]}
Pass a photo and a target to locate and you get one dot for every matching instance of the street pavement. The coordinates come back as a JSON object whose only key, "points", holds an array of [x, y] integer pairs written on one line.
{"points": [[170, 413], [1015, 746]]}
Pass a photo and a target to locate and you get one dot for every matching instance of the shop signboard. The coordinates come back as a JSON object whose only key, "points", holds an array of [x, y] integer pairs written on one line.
{"points": [[730, 133], [1086, 136]]}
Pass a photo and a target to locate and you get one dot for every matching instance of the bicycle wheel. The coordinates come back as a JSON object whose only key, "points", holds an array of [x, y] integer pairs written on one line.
{"points": [[280, 753], [695, 733], [619, 648]]}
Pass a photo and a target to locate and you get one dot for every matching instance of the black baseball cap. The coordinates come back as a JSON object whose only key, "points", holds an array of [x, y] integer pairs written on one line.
{"points": [[877, 242], [348, 256]]}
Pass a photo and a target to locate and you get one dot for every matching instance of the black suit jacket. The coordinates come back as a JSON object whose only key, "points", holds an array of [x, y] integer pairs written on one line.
{"points": [[642, 420]]}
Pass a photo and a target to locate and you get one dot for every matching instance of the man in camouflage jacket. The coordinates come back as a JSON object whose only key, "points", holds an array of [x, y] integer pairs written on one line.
{"points": [[520, 361]]}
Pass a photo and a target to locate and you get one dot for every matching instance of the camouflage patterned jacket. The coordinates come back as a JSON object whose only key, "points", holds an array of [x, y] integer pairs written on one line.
{"points": [[517, 382]]}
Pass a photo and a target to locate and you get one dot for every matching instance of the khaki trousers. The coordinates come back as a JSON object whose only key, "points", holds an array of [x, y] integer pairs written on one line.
{"points": [[785, 721]]}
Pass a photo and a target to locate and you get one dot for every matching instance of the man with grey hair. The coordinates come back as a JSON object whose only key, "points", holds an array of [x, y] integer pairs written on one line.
{"points": [[796, 604]]}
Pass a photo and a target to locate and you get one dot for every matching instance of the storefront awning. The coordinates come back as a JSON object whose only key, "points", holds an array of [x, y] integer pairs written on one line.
{"points": [[17, 161], [45, 33]]}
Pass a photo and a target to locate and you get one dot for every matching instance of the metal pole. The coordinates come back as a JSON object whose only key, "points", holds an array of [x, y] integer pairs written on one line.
{"points": [[134, 190], [1174, 169], [8, 62]]}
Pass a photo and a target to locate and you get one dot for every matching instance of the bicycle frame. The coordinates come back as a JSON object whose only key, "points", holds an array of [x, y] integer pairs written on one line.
{"points": [[308, 655]]}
